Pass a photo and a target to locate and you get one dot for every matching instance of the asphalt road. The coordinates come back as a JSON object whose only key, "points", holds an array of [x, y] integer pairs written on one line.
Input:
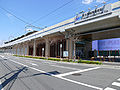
{"points": [[18, 73]]}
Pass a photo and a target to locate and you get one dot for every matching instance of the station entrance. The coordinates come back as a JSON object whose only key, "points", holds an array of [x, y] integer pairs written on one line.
{"points": [[40, 50], [30, 50], [57, 48], [80, 53]]}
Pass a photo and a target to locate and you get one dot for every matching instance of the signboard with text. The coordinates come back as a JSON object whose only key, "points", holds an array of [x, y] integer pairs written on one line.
{"points": [[104, 10], [106, 44]]}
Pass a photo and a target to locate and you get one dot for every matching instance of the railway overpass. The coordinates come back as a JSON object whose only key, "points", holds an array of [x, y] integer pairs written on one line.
{"points": [[71, 38]]}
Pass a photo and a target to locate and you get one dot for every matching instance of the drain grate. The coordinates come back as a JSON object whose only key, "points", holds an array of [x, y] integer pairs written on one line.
{"points": [[77, 74]]}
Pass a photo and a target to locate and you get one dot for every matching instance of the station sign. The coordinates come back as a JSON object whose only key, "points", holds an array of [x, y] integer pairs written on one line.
{"points": [[98, 12], [65, 53]]}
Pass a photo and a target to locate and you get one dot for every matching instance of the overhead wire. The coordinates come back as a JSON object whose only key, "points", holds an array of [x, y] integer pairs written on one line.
{"points": [[42, 16], [25, 22], [74, 15], [52, 11], [14, 15]]}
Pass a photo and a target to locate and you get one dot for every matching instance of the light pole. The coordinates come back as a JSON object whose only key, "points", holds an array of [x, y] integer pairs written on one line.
{"points": [[43, 52], [60, 50]]}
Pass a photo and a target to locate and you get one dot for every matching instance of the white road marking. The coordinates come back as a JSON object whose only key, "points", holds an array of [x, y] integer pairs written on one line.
{"points": [[1, 86], [119, 79], [1, 56], [108, 88], [83, 84], [65, 67], [34, 64], [116, 84], [28, 66], [29, 62], [70, 73]]}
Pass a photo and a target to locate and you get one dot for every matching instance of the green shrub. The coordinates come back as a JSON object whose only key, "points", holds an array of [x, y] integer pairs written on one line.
{"points": [[54, 59], [89, 62], [64, 60]]}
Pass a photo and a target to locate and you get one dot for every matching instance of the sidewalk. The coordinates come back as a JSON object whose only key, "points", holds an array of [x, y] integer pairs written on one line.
{"points": [[111, 63]]}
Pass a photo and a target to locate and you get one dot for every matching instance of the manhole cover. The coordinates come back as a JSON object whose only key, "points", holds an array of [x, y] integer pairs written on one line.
{"points": [[76, 74]]}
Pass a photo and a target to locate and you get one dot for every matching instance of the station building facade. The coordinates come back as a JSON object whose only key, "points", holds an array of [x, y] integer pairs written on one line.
{"points": [[83, 36]]}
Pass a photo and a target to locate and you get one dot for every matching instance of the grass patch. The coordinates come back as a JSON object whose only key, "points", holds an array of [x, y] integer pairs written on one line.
{"points": [[63, 60]]}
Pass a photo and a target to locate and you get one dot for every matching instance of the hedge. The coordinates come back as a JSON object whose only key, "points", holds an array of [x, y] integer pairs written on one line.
{"points": [[89, 62], [64, 60]]}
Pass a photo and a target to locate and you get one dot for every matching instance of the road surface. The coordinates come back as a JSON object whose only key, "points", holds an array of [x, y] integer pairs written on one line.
{"points": [[18, 73]]}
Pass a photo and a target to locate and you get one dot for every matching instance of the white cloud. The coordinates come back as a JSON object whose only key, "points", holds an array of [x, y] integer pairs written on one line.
{"points": [[87, 1], [100, 1], [90, 1], [8, 15]]}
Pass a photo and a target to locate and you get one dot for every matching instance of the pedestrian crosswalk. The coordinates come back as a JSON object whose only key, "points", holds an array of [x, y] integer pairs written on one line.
{"points": [[115, 84], [108, 88], [119, 79]]}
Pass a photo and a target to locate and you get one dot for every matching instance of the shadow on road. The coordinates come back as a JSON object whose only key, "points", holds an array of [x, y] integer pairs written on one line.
{"points": [[48, 73], [12, 78]]}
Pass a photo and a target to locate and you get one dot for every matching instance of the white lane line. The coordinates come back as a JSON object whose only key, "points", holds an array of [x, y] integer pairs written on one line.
{"points": [[1, 86], [65, 67], [83, 84], [119, 79], [116, 84], [28, 66], [108, 88], [70, 73]]}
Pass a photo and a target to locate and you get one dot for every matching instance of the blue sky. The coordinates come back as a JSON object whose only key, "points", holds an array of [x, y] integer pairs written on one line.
{"points": [[32, 10]]}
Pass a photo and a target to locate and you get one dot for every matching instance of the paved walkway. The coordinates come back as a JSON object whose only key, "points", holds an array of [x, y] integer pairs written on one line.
{"points": [[112, 63]]}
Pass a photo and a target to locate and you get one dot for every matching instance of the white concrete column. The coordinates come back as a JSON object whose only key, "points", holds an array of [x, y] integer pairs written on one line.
{"points": [[47, 48], [16, 50], [87, 48], [67, 42], [34, 48], [20, 53], [24, 49], [70, 48], [74, 50], [27, 49]]}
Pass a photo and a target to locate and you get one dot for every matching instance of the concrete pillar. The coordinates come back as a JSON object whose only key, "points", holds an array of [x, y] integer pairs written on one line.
{"points": [[56, 49], [47, 48], [87, 48], [34, 48], [24, 49], [74, 50], [16, 50], [27, 48], [67, 42], [20, 50], [70, 48]]}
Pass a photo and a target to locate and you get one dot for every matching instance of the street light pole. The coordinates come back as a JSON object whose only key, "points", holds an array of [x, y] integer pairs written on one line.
{"points": [[60, 51], [42, 52]]}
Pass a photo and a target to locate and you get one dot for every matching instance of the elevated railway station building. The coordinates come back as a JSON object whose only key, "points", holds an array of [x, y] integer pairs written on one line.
{"points": [[95, 33]]}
